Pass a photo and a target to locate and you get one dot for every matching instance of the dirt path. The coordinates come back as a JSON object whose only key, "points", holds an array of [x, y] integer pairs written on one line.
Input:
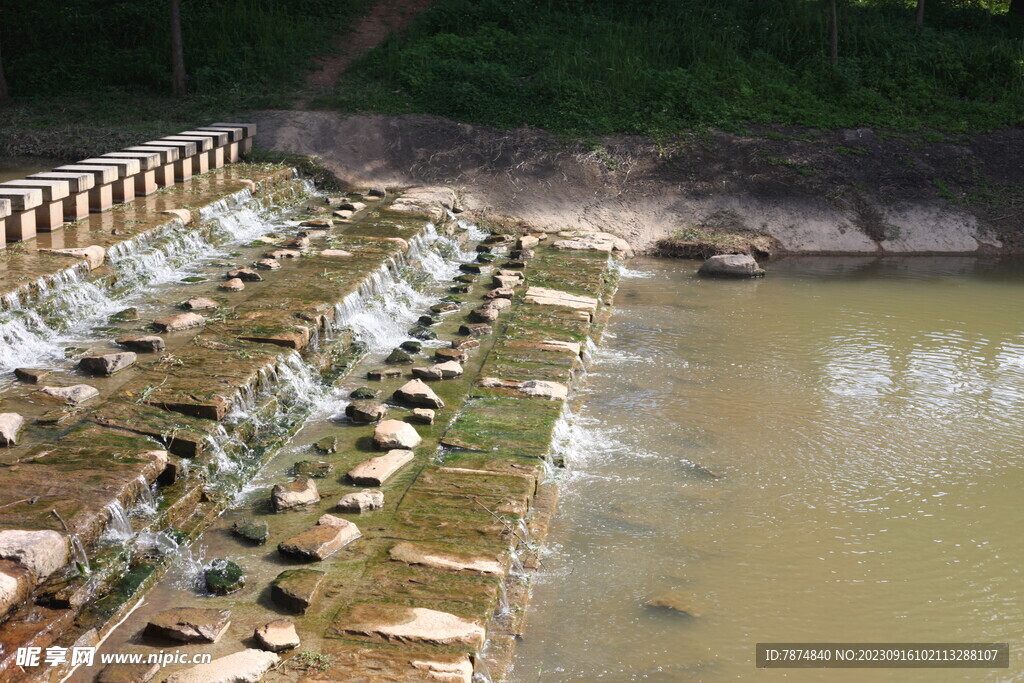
{"points": [[385, 17]]}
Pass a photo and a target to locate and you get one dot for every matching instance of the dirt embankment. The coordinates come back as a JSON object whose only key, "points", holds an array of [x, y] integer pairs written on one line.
{"points": [[849, 191]]}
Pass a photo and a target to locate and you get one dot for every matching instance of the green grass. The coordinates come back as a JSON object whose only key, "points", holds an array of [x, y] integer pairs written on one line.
{"points": [[592, 67]]}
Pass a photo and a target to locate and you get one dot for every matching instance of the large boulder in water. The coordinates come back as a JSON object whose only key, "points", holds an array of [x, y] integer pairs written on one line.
{"points": [[731, 265]]}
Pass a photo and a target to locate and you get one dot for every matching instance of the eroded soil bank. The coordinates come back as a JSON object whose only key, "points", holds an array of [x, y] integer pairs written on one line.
{"points": [[858, 191]]}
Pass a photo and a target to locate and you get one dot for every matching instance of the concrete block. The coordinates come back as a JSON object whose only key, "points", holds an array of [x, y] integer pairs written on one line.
{"points": [[20, 225], [203, 144], [49, 214], [232, 151], [5, 211], [182, 164], [78, 181], [248, 128], [165, 170], [146, 179], [127, 169], [21, 198], [101, 194], [220, 137]]}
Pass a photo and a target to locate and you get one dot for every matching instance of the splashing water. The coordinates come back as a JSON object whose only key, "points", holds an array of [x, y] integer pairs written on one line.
{"points": [[119, 526]]}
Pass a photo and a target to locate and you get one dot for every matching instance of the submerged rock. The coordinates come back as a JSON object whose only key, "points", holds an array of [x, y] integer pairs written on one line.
{"points": [[366, 411], [295, 589], [363, 394], [680, 603], [43, 552], [300, 492], [235, 284], [328, 444], [398, 356], [391, 434], [277, 635], [223, 577], [475, 330], [415, 392], [189, 624], [361, 501], [247, 666], [421, 332], [10, 426], [268, 264], [731, 265], [411, 346], [376, 471], [149, 343], [254, 530], [177, 323], [74, 395], [317, 469], [125, 315], [108, 363]]}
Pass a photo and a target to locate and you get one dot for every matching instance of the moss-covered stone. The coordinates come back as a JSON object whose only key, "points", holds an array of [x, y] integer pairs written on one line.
{"points": [[252, 530], [316, 469], [224, 576], [363, 394]]}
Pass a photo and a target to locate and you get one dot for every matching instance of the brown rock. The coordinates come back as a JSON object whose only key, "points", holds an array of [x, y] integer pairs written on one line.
{"points": [[295, 589], [361, 501], [391, 434], [149, 343], [74, 395], [398, 623], [108, 363], [321, 541], [247, 666], [475, 330], [235, 284], [199, 303], [268, 264], [300, 492], [415, 392], [128, 673], [366, 411], [189, 624], [455, 354], [277, 635], [16, 583], [177, 323], [376, 471], [423, 416], [246, 274], [415, 553], [30, 375]]}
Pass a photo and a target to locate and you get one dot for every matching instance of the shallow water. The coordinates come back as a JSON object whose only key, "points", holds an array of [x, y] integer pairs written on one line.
{"points": [[865, 419]]}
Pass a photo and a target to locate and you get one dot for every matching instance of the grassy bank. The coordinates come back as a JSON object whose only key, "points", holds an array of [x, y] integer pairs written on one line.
{"points": [[591, 67]]}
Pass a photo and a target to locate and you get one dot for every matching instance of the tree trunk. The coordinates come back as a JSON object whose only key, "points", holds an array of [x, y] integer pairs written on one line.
{"points": [[177, 52], [1017, 7], [920, 13], [833, 42], [3, 82]]}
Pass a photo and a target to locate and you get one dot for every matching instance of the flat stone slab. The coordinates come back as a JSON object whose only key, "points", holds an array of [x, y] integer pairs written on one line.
{"points": [[361, 501], [180, 322], [108, 363], [294, 494], [189, 624], [447, 370], [247, 666], [74, 395], [423, 416], [553, 297], [321, 541], [200, 303], [149, 343], [376, 471], [536, 388], [401, 624], [391, 434], [253, 530], [277, 636], [415, 553], [94, 256], [296, 589]]}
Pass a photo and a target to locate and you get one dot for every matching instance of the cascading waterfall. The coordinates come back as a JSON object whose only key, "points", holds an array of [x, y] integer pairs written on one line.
{"points": [[147, 503], [67, 304], [119, 526]]}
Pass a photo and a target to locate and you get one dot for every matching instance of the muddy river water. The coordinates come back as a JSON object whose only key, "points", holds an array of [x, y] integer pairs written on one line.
{"points": [[865, 420]]}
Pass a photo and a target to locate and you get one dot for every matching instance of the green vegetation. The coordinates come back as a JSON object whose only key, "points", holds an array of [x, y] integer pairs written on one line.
{"points": [[591, 67]]}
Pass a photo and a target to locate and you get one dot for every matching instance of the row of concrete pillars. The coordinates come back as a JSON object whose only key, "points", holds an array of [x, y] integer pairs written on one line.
{"points": [[47, 201]]}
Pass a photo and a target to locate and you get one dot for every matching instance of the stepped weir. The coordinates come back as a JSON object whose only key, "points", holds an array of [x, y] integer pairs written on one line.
{"points": [[348, 397]]}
